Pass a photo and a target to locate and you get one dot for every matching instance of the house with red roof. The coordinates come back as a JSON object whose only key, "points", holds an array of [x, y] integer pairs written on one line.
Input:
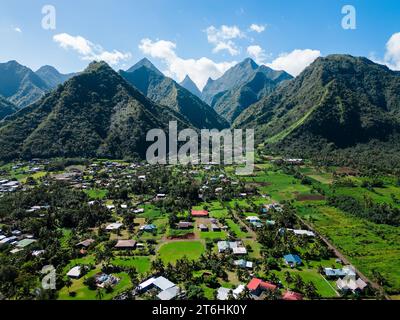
{"points": [[293, 296], [200, 213], [257, 286]]}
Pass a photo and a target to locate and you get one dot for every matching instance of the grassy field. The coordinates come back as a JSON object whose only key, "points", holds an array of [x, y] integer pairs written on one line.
{"points": [[367, 245], [324, 288], [279, 185], [142, 264], [96, 194], [235, 228], [212, 235], [84, 293], [172, 251]]}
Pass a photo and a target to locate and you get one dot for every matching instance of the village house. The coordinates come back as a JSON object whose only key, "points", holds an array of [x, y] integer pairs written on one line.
{"points": [[184, 225], [104, 280], [125, 245], [148, 228], [203, 227], [235, 247], [351, 283], [199, 213], [85, 243], [22, 244], [257, 286], [223, 293], [292, 260], [75, 272], [166, 289], [337, 273], [243, 264], [114, 226], [292, 296]]}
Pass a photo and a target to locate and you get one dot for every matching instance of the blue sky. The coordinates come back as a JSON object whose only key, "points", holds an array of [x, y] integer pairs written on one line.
{"points": [[182, 36]]}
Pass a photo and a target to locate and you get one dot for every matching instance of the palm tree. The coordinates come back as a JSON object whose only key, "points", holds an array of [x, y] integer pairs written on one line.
{"points": [[288, 277], [99, 294], [68, 284]]}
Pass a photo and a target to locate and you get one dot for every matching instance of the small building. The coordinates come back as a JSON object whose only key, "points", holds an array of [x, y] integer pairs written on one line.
{"points": [[200, 213], [223, 293], [114, 226], [25, 243], [292, 260], [169, 294], [338, 273], [292, 296], [243, 264], [239, 251], [351, 283], [75, 272], [85, 243], [223, 246], [257, 286], [125, 245], [148, 228], [215, 227], [184, 225], [203, 227], [168, 290], [302, 232], [253, 219]]}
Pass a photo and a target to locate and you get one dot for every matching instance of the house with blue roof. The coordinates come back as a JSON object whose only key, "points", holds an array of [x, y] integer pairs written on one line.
{"points": [[148, 227], [292, 260]]}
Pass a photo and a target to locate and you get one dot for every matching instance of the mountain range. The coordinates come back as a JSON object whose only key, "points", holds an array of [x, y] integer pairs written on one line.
{"points": [[22, 87], [338, 102], [240, 87], [163, 90], [94, 114], [6, 108], [188, 84], [52, 77], [340, 106]]}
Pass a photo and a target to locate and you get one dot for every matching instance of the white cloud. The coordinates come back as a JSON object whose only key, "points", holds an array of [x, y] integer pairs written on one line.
{"points": [[222, 38], [17, 29], [199, 70], [257, 53], [392, 55], [257, 28], [295, 62], [88, 50], [228, 46]]}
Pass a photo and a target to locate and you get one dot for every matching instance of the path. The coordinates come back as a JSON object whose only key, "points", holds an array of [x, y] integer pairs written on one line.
{"points": [[249, 230], [344, 259]]}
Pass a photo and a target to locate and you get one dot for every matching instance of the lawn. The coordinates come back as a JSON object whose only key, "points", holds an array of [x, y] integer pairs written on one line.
{"points": [[142, 264], [84, 293], [279, 185], [213, 235], [367, 245], [96, 194], [235, 228], [172, 251], [324, 288]]}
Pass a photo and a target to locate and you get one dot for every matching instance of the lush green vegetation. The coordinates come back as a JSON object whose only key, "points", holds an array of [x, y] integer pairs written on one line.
{"points": [[171, 252]]}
